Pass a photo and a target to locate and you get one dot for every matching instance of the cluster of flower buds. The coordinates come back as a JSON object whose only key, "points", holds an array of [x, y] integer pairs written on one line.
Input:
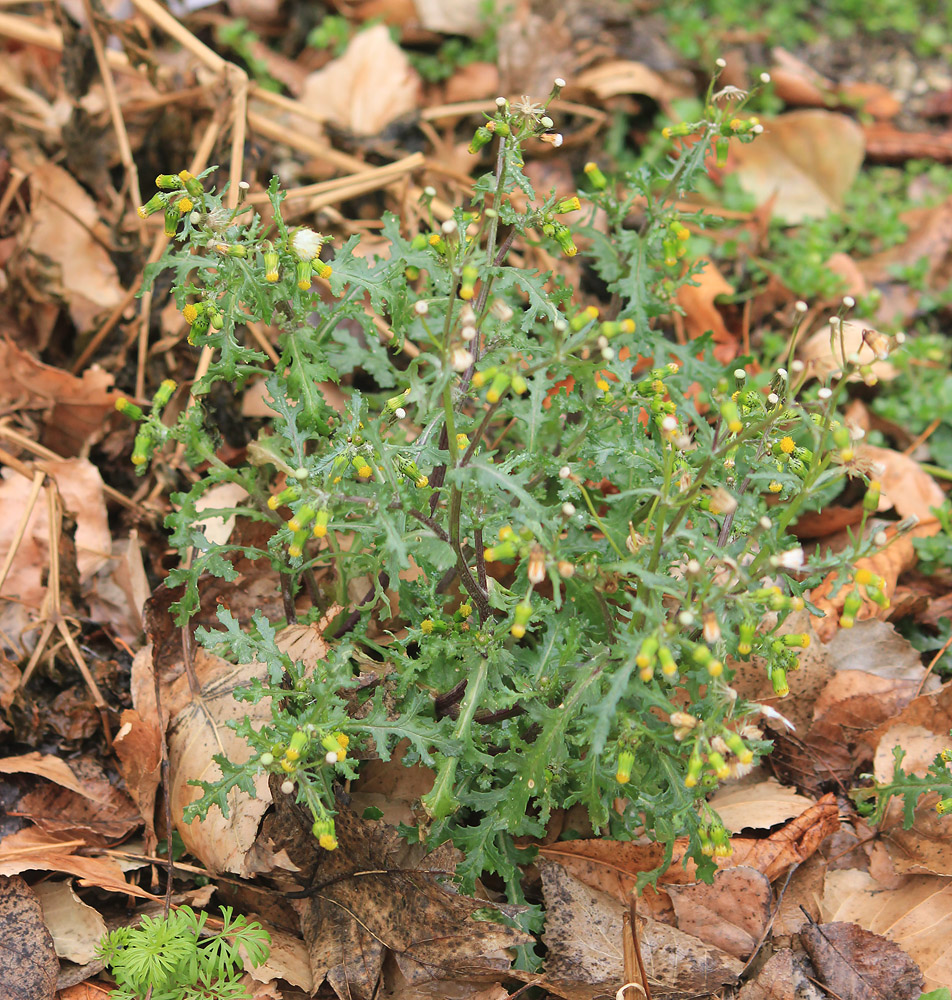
{"points": [[674, 242], [652, 653], [152, 433], [176, 197], [523, 546], [458, 625], [791, 457], [715, 841], [874, 587], [202, 318], [654, 388], [500, 380]]}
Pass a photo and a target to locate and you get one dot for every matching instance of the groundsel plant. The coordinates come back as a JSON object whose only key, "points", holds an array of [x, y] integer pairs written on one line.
{"points": [[596, 518]]}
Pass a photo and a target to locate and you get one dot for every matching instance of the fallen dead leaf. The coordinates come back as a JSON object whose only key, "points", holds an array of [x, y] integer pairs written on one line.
{"points": [[757, 806], [625, 76], [583, 935], [783, 977], [138, 746], [823, 353], [198, 732], [926, 847], [76, 928], [696, 298], [731, 913], [76, 409], [369, 86], [366, 904], [917, 916], [856, 964], [30, 966], [806, 160], [68, 261]]}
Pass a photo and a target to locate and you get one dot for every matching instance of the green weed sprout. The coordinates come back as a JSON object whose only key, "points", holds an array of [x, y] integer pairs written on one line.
{"points": [[178, 959]]}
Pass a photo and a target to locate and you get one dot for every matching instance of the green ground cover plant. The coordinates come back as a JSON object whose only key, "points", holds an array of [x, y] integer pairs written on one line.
{"points": [[176, 957], [599, 517]]}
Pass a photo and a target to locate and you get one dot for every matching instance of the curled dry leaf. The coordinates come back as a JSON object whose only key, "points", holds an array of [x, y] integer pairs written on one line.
{"points": [[806, 160], [583, 934], [76, 928], [368, 87], [757, 806], [912, 492], [823, 351], [856, 964]]}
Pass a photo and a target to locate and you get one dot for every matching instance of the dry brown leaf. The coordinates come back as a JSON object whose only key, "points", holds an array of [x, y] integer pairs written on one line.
{"points": [[886, 143], [917, 916], [45, 765], [625, 76], [68, 261], [198, 732], [76, 928], [583, 934], [783, 977], [75, 408], [287, 960], [138, 746], [99, 812], [806, 160], [926, 847], [369, 903], [823, 352], [731, 913], [29, 967], [453, 17], [701, 314], [757, 806], [369, 86], [856, 964]]}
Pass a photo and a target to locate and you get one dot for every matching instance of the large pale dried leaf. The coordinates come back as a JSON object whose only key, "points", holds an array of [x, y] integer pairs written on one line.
{"points": [[453, 17], [369, 904], [64, 250], [287, 960], [583, 934], [28, 963], [823, 352], [917, 916], [783, 977], [625, 76], [76, 408], [757, 806], [930, 237], [53, 768], [926, 847], [856, 964], [75, 927], [731, 913], [198, 732], [876, 648], [805, 160], [217, 529], [369, 86]]}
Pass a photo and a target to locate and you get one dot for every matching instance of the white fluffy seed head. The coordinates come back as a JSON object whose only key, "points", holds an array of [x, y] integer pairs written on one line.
{"points": [[669, 424], [880, 539], [399, 413], [773, 399], [501, 102], [565, 472], [287, 787], [765, 523], [849, 301], [468, 333], [421, 308], [720, 63], [800, 306], [330, 757], [449, 226], [568, 509], [797, 366], [765, 78], [825, 393], [739, 373], [559, 82]]}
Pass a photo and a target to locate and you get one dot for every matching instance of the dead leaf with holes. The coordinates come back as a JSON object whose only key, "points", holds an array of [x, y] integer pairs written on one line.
{"points": [[806, 160], [917, 916], [30, 966], [856, 964]]}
